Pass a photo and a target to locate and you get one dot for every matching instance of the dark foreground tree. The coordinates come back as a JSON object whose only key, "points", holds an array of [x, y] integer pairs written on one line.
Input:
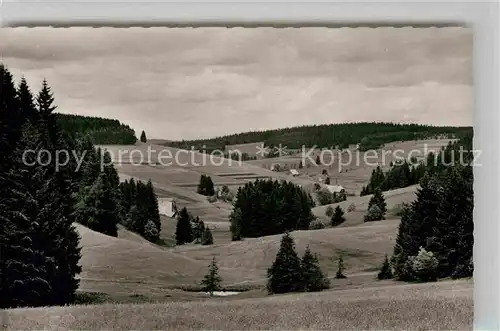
{"points": [[212, 280], [285, 274]]}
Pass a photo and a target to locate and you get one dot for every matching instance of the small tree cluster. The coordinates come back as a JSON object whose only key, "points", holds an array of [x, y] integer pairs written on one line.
{"points": [[289, 273], [206, 186], [377, 207], [398, 176], [140, 209], [325, 197], [191, 229], [267, 207]]}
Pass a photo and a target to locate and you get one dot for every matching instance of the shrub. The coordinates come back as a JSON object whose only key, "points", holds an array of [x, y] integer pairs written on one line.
{"points": [[316, 225], [425, 266], [325, 197], [373, 214], [151, 231], [329, 211], [351, 208]]}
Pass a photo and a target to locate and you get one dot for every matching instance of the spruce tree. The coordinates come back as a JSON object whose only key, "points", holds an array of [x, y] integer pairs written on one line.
{"points": [[337, 217], [26, 102], [385, 270], [58, 233], [285, 274], [143, 137], [207, 238], [340, 269], [211, 281], [184, 231], [313, 278], [378, 200]]}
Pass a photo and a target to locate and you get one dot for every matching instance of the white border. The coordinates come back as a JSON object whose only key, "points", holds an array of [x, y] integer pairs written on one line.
{"points": [[482, 16]]}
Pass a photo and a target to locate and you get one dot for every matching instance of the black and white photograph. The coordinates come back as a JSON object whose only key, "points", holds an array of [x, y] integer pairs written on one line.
{"points": [[215, 178]]}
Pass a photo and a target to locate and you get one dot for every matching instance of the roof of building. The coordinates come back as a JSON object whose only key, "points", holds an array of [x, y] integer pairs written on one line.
{"points": [[334, 188]]}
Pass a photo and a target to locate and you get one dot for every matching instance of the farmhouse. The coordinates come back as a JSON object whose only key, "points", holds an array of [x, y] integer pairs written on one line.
{"points": [[167, 207], [335, 188]]}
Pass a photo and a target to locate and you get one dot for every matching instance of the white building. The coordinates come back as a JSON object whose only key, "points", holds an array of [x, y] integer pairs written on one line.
{"points": [[335, 188], [167, 207]]}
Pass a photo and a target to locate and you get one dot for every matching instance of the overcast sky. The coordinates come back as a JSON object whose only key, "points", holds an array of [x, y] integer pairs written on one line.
{"points": [[201, 82]]}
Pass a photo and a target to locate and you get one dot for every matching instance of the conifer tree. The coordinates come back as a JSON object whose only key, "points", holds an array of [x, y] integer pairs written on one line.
{"points": [[337, 217], [56, 220], [340, 269], [313, 278], [26, 102], [184, 231], [285, 274], [97, 209], [143, 137], [211, 281], [385, 270], [378, 200], [207, 238]]}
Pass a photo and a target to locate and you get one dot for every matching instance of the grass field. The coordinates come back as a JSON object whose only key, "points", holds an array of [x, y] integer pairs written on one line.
{"points": [[432, 306]]}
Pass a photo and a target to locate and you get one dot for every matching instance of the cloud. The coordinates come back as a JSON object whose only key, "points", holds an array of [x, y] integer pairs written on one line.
{"points": [[185, 83]]}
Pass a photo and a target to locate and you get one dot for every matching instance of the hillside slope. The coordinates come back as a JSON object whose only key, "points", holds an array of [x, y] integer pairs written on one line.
{"points": [[121, 265]]}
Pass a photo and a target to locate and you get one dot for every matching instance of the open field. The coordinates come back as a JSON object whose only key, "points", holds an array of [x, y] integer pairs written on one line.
{"points": [[362, 247], [433, 306], [126, 263], [393, 199]]}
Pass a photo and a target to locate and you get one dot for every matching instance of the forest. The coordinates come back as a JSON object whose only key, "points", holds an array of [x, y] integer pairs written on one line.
{"points": [[367, 135], [100, 131]]}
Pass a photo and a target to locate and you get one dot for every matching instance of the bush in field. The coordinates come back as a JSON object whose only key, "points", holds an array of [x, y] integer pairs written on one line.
{"points": [[373, 214], [317, 225], [425, 266], [329, 211], [351, 208]]}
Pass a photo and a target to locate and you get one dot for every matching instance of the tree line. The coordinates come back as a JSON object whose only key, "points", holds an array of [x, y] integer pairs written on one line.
{"points": [[267, 207], [367, 135], [100, 131], [40, 199], [39, 245]]}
